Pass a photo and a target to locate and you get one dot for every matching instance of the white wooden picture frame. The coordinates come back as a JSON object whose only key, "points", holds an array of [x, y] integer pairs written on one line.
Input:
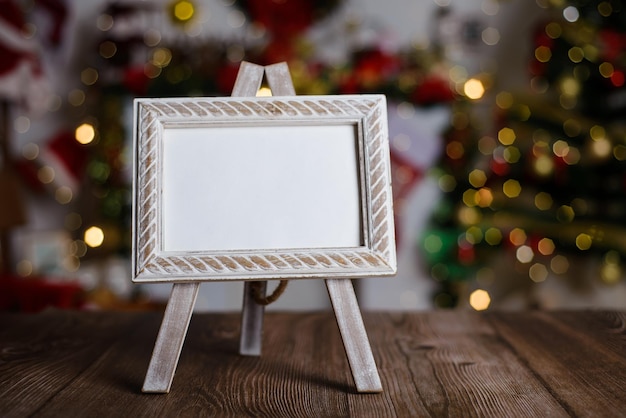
{"points": [[258, 188]]}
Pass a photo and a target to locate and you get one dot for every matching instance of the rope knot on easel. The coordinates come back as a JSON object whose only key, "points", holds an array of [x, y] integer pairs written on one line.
{"points": [[258, 292]]}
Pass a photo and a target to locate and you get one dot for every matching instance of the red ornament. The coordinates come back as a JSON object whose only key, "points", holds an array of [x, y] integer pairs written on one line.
{"points": [[432, 90], [501, 168], [373, 65], [226, 77], [466, 253], [136, 80], [282, 18], [613, 44]]}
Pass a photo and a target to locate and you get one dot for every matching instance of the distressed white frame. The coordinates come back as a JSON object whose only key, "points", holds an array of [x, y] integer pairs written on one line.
{"points": [[375, 257]]}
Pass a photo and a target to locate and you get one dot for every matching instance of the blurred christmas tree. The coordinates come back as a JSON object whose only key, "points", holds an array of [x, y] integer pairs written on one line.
{"points": [[547, 186]]}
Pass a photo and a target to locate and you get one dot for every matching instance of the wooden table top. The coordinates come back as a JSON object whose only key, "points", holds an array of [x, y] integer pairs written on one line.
{"points": [[441, 363]]}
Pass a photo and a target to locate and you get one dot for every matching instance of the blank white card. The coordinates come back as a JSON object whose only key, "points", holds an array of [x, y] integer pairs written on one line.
{"points": [[220, 193]]}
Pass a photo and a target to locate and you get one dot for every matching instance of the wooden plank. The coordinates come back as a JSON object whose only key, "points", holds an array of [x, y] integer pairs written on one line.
{"points": [[603, 329], [584, 372], [111, 385], [444, 363], [171, 337], [297, 376], [251, 340], [41, 354], [249, 79], [354, 336], [294, 377], [450, 363], [279, 79]]}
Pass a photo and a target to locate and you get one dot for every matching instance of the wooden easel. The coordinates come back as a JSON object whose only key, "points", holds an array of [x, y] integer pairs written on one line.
{"points": [[180, 306]]}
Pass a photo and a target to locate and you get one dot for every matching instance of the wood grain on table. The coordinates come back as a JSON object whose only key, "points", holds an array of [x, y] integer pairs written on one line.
{"points": [[440, 363]]}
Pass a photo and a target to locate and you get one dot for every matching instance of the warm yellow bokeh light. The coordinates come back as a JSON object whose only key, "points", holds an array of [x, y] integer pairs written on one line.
{"points": [[161, 57], [511, 188], [543, 201], [576, 54], [572, 157], [85, 133], [546, 246], [554, 30], [504, 100], [89, 76], [63, 195], [619, 152], [469, 216], [471, 198], [560, 148], [605, 9], [493, 236], [474, 235], [485, 197], [543, 54], [46, 174], [597, 132], [30, 151], [559, 264], [570, 86], [602, 147], [543, 165], [506, 136], [94, 236], [583, 241], [455, 150], [606, 69], [517, 236], [572, 127], [183, 10], [565, 214], [474, 89], [480, 299], [611, 271], [264, 92], [512, 154], [538, 273], [477, 178]]}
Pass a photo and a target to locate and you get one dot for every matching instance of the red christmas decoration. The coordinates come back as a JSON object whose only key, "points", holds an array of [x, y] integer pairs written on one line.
{"points": [[36, 294], [404, 177], [433, 90], [20, 72], [65, 156]]}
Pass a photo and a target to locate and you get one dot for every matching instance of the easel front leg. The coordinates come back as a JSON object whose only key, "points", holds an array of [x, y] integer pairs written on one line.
{"points": [[354, 336], [171, 337], [251, 339]]}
